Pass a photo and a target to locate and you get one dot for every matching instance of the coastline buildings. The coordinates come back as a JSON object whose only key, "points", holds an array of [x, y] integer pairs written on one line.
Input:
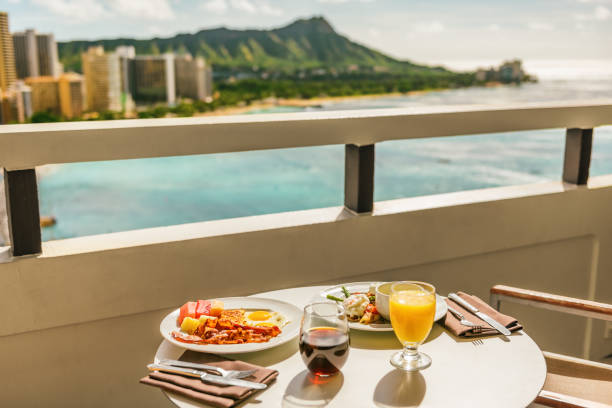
{"points": [[45, 94], [193, 77], [26, 54], [7, 55], [16, 104], [62, 96], [71, 95], [102, 80], [116, 81], [153, 78], [48, 63], [11, 100], [32, 79], [35, 54], [126, 53], [507, 72]]}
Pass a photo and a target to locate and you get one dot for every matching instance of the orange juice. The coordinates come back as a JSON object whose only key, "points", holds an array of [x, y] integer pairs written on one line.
{"points": [[412, 314]]}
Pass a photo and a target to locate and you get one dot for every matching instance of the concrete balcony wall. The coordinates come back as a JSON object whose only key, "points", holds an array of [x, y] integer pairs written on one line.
{"points": [[80, 322]]}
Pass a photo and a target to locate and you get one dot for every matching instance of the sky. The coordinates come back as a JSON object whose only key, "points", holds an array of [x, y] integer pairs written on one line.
{"points": [[428, 31]]}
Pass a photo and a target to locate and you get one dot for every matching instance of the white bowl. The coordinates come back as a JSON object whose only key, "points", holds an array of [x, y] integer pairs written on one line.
{"points": [[383, 293]]}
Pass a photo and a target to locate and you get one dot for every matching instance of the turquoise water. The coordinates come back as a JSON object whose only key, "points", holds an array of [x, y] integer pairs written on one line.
{"points": [[93, 198]]}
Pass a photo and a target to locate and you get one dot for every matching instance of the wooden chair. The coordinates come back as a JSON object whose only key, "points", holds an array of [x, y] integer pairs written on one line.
{"points": [[570, 382]]}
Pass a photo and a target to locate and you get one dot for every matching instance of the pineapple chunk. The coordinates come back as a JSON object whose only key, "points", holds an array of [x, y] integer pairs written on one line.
{"points": [[190, 325], [208, 321], [216, 308]]}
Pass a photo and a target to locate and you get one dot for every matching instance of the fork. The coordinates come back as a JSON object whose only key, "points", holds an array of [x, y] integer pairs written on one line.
{"points": [[477, 342], [221, 371], [464, 321]]}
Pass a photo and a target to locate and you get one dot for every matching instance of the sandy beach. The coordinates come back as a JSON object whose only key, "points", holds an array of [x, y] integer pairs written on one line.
{"points": [[304, 103]]}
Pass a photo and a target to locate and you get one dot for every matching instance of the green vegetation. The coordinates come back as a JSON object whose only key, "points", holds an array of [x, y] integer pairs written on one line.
{"points": [[303, 45], [42, 117], [247, 91]]}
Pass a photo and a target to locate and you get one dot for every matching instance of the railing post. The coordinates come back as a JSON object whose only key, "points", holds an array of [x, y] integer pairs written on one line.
{"points": [[22, 211], [359, 178], [578, 143]]}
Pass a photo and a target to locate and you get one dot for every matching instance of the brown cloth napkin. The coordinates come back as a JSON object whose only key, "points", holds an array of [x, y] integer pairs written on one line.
{"points": [[453, 324], [222, 396]]}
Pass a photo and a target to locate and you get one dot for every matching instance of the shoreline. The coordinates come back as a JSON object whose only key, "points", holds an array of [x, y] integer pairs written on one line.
{"points": [[305, 103]]}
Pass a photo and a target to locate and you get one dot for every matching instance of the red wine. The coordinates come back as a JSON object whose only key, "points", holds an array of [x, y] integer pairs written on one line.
{"points": [[324, 349]]}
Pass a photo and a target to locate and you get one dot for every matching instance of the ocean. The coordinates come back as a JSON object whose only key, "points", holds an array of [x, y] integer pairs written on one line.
{"points": [[100, 197]]}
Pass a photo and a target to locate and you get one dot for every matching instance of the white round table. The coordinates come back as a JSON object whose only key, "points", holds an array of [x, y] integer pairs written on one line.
{"points": [[501, 372]]}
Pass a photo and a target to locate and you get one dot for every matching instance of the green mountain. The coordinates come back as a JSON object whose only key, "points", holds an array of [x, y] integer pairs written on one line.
{"points": [[304, 44]]}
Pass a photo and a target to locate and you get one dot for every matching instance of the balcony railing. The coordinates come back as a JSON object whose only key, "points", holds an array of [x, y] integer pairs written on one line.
{"points": [[82, 317], [23, 147]]}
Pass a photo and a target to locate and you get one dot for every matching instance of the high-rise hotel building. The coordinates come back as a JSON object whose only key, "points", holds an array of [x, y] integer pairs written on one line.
{"points": [[7, 56], [126, 54], [102, 79], [26, 54], [35, 54], [48, 63], [153, 79], [192, 77]]}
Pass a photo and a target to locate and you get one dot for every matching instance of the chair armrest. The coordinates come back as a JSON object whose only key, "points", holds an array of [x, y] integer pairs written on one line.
{"points": [[557, 303], [556, 400]]}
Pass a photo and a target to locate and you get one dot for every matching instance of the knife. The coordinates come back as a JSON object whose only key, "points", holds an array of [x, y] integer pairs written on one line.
{"points": [[492, 322], [206, 377]]}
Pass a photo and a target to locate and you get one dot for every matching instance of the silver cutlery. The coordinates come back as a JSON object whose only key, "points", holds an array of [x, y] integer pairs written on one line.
{"points": [[206, 367], [206, 377], [492, 322], [475, 327], [478, 342]]}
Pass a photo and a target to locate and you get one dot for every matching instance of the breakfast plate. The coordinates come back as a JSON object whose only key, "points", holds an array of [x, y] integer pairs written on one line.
{"points": [[291, 313], [384, 325]]}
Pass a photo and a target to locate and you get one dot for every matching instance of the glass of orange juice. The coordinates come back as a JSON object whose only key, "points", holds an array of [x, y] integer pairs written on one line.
{"points": [[412, 307]]}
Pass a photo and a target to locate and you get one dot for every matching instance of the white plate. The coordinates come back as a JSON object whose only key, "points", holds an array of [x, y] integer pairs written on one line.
{"points": [[441, 307], [288, 333]]}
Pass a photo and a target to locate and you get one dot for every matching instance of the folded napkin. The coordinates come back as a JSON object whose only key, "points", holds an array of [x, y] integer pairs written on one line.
{"points": [[453, 324], [222, 396]]}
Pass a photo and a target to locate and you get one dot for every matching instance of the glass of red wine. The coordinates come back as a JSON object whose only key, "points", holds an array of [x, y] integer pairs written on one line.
{"points": [[324, 338]]}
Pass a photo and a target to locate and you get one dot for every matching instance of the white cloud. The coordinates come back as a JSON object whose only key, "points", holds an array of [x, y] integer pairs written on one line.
{"points": [[246, 6], [216, 6], [268, 9], [539, 26], [374, 33], [148, 9], [602, 13], [243, 5], [493, 27], [88, 10], [80, 10], [429, 27], [345, 1]]}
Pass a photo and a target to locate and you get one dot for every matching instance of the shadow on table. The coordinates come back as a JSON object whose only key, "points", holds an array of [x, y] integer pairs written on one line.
{"points": [[400, 389], [307, 390], [269, 356]]}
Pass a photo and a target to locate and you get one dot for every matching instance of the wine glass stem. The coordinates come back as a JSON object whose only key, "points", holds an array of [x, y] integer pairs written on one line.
{"points": [[410, 352]]}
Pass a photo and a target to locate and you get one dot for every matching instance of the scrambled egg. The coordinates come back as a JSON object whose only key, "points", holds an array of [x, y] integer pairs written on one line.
{"points": [[355, 306]]}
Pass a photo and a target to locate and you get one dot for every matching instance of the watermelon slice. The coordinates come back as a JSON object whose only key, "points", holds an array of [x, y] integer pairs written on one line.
{"points": [[187, 310]]}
